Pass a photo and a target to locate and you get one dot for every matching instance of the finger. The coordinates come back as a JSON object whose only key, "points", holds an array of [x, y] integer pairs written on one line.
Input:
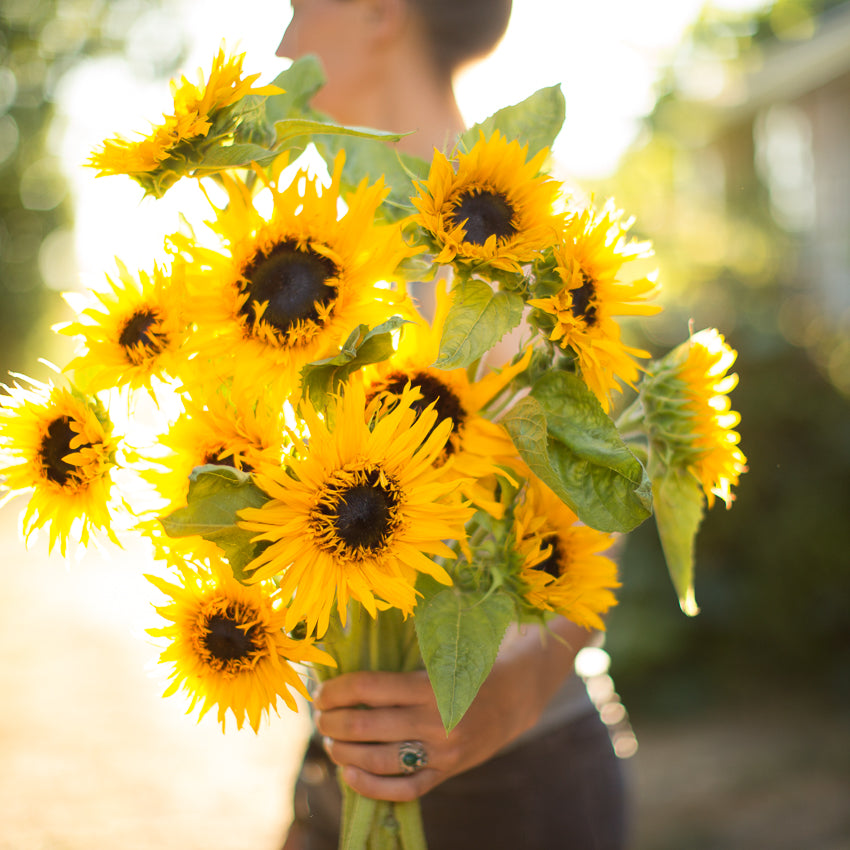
{"points": [[397, 789], [377, 725], [374, 689], [378, 759]]}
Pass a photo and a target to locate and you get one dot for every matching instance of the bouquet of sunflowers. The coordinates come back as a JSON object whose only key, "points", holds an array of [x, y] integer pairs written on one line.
{"points": [[345, 484]]}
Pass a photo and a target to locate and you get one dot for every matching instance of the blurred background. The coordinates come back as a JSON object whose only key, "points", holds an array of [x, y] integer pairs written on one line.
{"points": [[725, 130]]}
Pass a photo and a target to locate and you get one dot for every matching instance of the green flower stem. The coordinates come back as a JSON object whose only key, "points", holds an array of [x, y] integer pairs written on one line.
{"points": [[633, 419], [386, 642], [409, 817], [478, 536], [358, 816], [385, 828]]}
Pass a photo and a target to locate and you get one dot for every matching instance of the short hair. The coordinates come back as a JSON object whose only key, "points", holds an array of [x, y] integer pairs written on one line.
{"points": [[459, 31]]}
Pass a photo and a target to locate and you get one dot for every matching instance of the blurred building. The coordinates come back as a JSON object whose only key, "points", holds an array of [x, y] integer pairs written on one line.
{"points": [[785, 125]]}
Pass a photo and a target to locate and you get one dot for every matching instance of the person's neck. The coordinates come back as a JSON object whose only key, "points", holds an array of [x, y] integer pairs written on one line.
{"points": [[414, 102], [434, 118]]}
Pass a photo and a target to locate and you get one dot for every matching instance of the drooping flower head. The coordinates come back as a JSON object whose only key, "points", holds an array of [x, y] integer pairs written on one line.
{"points": [[134, 336], [202, 115], [589, 263], [359, 513], [493, 206], [227, 645], [689, 416], [57, 444], [289, 288], [565, 569]]}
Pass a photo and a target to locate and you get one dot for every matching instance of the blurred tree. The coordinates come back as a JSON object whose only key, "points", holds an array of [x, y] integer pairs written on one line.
{"points": [[741, 179], [40, 40]]}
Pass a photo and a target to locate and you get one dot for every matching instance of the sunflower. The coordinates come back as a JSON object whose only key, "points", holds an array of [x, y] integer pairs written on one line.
{"points": [[359, 512], [157, 160], [475, 444], [57, 444], [135, 337], [589, 262], [689, 416], [227, 646], [223, 428], [564, 569], [493, 208], [289, 288]]}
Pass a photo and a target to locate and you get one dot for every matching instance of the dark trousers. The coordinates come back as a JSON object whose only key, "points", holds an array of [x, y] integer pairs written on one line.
{"points": [[563, 789]]}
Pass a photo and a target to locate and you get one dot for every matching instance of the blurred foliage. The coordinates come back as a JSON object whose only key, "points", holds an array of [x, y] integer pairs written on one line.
{"points": [[772, 575], [41, 40]]}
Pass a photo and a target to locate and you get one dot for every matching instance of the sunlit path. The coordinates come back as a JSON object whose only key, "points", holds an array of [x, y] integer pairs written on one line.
{"points": [[91, 756]]}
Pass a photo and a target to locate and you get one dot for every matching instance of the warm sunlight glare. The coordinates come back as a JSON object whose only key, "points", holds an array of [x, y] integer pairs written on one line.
{"points": [[606, 56]]}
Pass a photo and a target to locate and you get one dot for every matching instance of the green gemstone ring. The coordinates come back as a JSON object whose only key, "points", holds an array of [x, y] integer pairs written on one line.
{"points": [[411, 756]]}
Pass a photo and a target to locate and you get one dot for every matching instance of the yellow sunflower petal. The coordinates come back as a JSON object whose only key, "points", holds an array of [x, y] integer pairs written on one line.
{"points": [[590, 261], [565, 569], [688, 412], [493, 207], [57, 445], [226, 645], [287, 289], [349, 514], [154, 160]]}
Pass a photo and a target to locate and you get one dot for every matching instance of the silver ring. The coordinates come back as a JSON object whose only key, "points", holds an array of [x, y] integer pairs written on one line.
{"points": [[411, 756]]}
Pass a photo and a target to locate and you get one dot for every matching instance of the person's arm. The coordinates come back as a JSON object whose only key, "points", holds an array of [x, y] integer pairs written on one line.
{"points": [[530, 668]]}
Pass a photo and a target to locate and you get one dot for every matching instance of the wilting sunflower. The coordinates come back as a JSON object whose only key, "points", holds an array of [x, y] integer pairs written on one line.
{"points": [[290, 288], [57, 444], [135, 335], [227, 645], [565, 570], [589, 263], [492, 207], [359, 513], [202, 117], [689, 416], [475, 443]]}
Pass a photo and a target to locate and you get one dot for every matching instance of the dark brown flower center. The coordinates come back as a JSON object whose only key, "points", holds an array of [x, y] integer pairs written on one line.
{"points": [[486, 214], [140, 331], [552, 564], [226, 638], [55, 446], [584, 305], [291, 282], [433, 391], [363, 513]]}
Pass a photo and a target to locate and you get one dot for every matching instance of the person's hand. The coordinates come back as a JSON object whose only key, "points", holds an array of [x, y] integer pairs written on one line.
{"points": [[365, 717]]}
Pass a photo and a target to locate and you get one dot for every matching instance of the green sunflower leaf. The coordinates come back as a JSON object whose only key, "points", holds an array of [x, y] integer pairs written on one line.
{"points": [[369, 159], [478, 318], [291, 128], [300, 81], [536, 121], [216, 495], [568, 440], [232, 156], [459, 637], [324, 377], [679, 504]]}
